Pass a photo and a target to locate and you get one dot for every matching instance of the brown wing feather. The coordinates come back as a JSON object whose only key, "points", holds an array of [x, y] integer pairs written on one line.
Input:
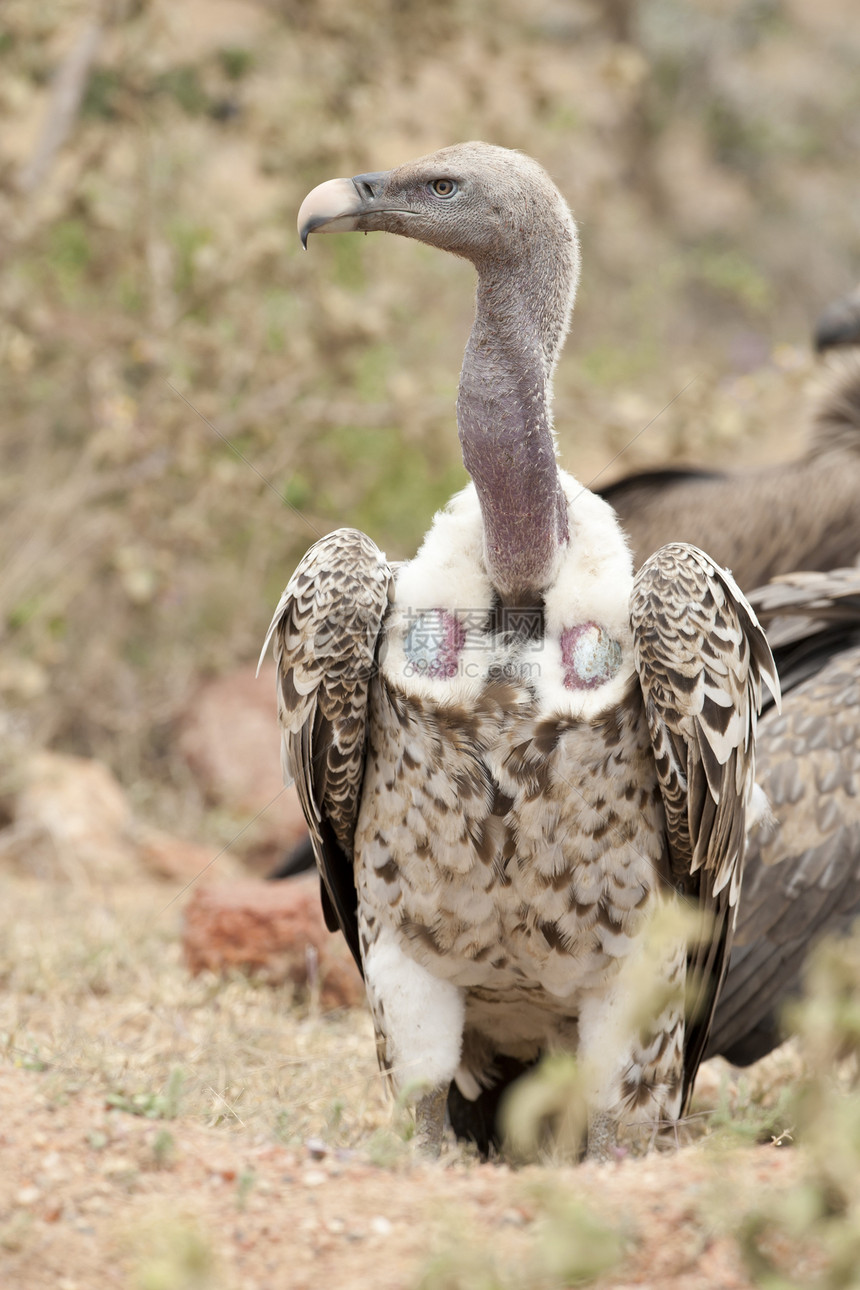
{"points": [[326, 631], [799, 605], [701, 658], [803, 874]]}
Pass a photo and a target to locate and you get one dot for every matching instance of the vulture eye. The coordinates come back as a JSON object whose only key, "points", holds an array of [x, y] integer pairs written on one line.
{"points": [[443, 187]]}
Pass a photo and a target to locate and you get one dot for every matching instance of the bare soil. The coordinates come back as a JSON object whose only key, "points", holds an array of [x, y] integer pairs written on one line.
{"points": [[89, 1198], [161, 1131]]}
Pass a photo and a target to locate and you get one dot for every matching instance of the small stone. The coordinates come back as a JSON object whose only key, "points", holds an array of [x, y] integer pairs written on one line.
{"points": [[71, 821], [117, 1166], [380, 1225], [316, 1148], [27, 1196], [314, 1178]]}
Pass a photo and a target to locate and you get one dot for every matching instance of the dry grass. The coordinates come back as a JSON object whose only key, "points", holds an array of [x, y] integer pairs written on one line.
{"points": [[157, 1083], [96, 995]]}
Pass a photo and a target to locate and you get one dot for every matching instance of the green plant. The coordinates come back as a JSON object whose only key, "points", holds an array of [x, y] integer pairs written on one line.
{"points": [[161, 1105]]}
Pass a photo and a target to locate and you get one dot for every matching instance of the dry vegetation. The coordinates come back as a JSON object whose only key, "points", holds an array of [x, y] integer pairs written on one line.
{"points": [[163, 1133], [187, 400]]}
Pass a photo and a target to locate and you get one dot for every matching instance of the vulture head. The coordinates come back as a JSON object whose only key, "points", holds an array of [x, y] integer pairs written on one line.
{"points": [[493, 206]]}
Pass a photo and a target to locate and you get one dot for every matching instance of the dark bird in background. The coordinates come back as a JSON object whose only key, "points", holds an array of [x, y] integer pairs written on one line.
{"points": [[513, 756], [838, 325], [765, 520], [802, 873], [802, 878]]}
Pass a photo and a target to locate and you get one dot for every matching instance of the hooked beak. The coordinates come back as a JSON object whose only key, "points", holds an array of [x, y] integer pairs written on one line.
{"points": [[337, 205]]}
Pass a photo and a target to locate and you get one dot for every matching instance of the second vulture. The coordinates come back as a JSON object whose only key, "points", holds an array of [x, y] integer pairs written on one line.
{"points": [[766, 520], [511, 754]]}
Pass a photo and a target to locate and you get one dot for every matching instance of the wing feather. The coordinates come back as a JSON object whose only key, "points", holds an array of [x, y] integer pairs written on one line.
{"points": [[802, 876], [326, 631], [702, 658]]}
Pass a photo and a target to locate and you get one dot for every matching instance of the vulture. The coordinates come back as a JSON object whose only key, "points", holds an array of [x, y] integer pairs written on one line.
{"points": [[512, 755], [766, 520], [802, 869]]}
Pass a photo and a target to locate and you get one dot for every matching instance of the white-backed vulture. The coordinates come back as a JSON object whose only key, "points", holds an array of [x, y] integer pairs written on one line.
{"points": [[511, 754]]}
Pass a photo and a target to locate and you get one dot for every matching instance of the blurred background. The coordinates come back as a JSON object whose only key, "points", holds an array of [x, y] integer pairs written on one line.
{"points": [[155, 302]]}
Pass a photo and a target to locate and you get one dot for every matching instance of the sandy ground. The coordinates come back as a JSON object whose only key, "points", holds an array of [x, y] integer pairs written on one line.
{"points": [[165, 1132], [92, 1196]]}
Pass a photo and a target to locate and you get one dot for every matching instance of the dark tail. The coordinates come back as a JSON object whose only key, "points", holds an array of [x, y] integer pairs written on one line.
{"points": [[299, 860]]}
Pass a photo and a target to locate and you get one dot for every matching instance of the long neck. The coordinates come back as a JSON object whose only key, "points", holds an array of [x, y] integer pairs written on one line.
{"points": [[504, 421]]}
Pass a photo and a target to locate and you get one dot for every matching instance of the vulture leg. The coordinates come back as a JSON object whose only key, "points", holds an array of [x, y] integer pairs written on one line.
{"points": [[631, 1041], [430, 1122], [419, 1021], [602, 1137]]}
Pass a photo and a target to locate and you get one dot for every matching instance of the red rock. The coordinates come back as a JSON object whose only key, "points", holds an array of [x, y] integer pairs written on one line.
{"points": [[275, 929], [231, 740]]}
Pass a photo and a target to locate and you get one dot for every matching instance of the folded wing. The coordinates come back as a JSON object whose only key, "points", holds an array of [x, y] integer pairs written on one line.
{"points": [[701, 657], [326, 633]]}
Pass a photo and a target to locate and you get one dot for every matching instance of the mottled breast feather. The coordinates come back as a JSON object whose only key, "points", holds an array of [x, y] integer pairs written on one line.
{"points": [[701, 657], [326, 632]]}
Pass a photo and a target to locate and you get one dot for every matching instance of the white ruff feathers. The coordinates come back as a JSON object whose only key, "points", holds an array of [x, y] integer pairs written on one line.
{"points": [[592, 584]]}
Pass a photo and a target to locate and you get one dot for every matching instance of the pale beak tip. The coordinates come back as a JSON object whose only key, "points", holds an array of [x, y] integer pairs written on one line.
{"points": [[331, 207]]}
